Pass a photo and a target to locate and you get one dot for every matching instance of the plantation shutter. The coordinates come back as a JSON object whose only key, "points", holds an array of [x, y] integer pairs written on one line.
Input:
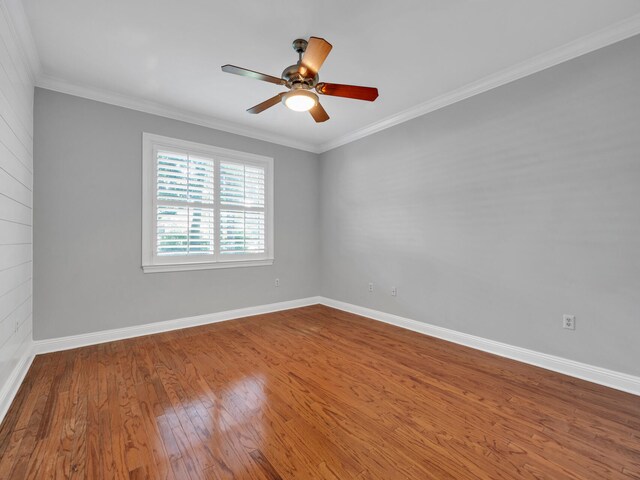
{"points": [[185, 222], [204, 206], [242, 208], [186, 205]]}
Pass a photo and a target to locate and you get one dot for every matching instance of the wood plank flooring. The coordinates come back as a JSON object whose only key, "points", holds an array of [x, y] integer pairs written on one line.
{"points": [[310, 393]]}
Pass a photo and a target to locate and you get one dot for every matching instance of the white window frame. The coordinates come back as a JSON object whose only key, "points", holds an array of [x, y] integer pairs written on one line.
{"points": [[151, 262]]}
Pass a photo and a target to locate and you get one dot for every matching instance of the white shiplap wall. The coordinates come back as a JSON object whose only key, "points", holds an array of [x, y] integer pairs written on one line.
{"points": [[16, 185]]}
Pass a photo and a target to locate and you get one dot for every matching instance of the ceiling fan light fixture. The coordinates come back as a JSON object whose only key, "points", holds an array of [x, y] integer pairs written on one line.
{"points": [[301, 78], [300, 100]]}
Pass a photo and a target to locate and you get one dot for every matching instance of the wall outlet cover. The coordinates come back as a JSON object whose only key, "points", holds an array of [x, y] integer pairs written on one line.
{"points": [[569, 322]]}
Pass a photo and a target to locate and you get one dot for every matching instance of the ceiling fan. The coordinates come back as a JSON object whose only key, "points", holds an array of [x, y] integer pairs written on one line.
{"points": [[302, 78]]}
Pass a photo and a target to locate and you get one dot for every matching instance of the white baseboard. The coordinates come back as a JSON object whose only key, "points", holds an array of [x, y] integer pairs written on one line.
{"points": [[11, 386], [620, 381], [83, 340], [609, 378]]}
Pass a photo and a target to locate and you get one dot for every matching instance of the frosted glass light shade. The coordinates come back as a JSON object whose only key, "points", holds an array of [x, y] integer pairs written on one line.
{"points": [[300, 100]]}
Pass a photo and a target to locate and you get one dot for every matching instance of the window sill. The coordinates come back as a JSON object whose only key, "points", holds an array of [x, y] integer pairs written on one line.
{"points": [[182, 267]]}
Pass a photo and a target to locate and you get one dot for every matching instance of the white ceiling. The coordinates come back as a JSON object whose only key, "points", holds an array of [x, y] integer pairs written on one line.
{"points": [[170, 52]]}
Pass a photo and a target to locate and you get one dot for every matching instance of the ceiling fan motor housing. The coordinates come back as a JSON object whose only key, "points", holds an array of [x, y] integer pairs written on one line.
{"points": [[292, 76]]}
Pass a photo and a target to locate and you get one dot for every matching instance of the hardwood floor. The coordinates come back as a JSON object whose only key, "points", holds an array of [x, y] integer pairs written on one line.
{"points": [[305, 394]]}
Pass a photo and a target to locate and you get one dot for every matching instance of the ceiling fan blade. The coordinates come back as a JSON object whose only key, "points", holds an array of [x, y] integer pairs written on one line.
{"points": [[250, 73], [261, 107], [348, 91], [319, 114], [314, 56]]}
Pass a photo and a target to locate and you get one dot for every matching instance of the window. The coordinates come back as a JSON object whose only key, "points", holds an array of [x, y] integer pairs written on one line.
{"points": [[204, 206]]}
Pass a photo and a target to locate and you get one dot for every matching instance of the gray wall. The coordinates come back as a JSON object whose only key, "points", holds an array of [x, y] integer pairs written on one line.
{"points": [[87, 236], [493, 216], [16, 182], [498, 214]]}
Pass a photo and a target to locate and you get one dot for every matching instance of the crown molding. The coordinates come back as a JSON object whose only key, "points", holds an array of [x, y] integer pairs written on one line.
{"points": [[589, 43], [13, 11], [105, 96], [586, 44]]}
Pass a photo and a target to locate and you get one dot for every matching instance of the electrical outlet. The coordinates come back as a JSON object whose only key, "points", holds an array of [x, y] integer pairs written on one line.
{"points": [[569, 322], [394, 291], [277, 282], [370, 287]]}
